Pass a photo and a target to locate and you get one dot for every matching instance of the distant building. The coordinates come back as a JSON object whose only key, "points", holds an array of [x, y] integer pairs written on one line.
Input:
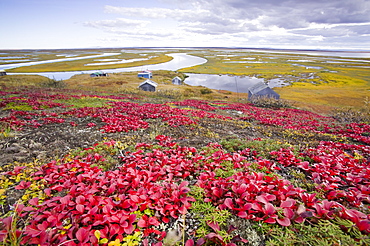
{"points": [[145, 74], [261, 90], [2, 73], [99, 74], [177, 81], [148, 85]]}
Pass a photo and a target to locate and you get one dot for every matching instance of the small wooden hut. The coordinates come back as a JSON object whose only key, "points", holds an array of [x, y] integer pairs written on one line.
{"points": [[177, 80], [261, 90], [148, 85], [145, 74], [99, 74]]}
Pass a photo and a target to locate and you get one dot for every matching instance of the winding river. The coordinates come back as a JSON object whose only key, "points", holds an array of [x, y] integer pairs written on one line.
{"points": [[180, 60]]}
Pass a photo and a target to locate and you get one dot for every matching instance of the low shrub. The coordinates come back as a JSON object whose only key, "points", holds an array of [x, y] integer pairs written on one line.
{"points": [[268, 102], [351, 114], [53, 83], [205, 91]]}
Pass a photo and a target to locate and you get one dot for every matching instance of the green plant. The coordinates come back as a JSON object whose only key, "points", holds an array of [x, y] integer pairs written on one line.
{"points": [[82, 102], [325, 232], [227, 170], [19, 106], [207, 213], [5, 131], [262, 147], [101, 155]]}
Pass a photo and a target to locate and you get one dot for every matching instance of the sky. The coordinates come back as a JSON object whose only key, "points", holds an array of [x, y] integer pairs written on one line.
{"points": [[286, 24]]}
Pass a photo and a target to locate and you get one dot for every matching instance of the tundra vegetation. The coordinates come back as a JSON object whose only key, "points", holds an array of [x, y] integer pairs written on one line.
{"points": [[95, 161]]}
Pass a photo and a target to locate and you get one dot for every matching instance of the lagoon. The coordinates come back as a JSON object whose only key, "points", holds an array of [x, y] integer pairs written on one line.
{"points": [[227, 82]]}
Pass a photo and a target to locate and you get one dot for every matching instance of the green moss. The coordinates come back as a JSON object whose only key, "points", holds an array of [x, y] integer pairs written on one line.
{"points": [[18, 106], [324, 233], [94, 102], [262, 147]]}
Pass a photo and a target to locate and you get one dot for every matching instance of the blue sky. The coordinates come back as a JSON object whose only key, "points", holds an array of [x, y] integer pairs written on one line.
{"points": [[314, 24]]}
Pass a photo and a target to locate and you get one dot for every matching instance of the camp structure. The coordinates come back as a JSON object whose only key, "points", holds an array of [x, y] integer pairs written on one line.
{"points": [[177, 80], [148, 85], [145, 74], [261, 90], [2, 73], [99, 74]]}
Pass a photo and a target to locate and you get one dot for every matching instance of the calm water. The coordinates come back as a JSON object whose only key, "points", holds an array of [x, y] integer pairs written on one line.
{"points": [[354, 54], [227, 82]]}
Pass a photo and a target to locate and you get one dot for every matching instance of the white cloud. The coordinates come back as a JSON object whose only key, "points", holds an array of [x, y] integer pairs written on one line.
{"points": [[157, 13], [242, 22], [117, 23]]}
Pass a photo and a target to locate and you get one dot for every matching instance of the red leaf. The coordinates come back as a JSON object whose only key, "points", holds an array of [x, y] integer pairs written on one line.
{"points": [[153, 221], [214, 235], [23, 185], [363, 225], [270, 221], [242, 214], [107, 209], [261, 199], [43, 226], [201, 241], [34, 201], [214, 226], [165, 219], [47, 191], [289, 213], [229, 203], [129, 229], [7, 222], [65, 200], [80, 208], [80, 199], [190, 242], [288, 203], [269, 209], [142, 223], [284, 221], [82, 235], [135, 198]]}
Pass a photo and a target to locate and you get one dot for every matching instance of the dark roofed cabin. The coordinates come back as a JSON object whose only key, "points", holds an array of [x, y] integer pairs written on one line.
{"points": [[176, 81], [148, 85], [98, 74], [2, 73], [261, 90]]}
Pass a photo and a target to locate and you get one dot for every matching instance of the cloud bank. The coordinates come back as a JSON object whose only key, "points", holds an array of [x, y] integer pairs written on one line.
{"points": [[243, 23]]}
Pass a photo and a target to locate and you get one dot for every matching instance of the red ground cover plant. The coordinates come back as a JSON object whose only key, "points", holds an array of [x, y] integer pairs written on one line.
{"points": [[150, 186]]}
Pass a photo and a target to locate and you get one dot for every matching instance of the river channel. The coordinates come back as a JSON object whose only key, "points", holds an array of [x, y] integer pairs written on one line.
{"points": [[180, 60]]}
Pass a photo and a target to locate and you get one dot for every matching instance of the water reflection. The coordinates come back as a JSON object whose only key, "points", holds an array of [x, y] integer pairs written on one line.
{"points": [[227, 82]]}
